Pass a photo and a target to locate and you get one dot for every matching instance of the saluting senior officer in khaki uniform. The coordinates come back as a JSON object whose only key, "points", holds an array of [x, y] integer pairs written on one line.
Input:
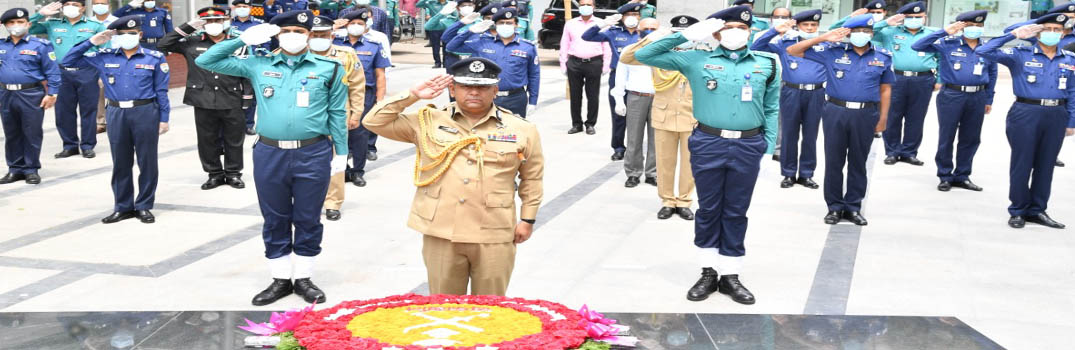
{"points": [[470, 153]]}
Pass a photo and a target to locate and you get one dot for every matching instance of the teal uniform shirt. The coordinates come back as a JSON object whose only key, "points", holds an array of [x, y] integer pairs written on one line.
{"points": [[63, 34], [523, 29], [898, 40], [392, 7], [277, 86], [441, 22], [432, 7], [648, 11], [717, 79]]}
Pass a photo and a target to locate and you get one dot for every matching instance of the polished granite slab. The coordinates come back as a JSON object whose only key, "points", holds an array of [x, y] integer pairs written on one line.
{"points": [[210, 330]]}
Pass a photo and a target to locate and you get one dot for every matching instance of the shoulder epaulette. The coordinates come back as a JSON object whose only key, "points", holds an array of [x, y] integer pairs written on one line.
{"points": [[91, 19], [325, 59], [39, 40], [527, 41], [509, 112]]}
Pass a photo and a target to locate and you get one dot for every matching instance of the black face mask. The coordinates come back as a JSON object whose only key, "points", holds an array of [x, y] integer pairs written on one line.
{"points": [[646, 32]]}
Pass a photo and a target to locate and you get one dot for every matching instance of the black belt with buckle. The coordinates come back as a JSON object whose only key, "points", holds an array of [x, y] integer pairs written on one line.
{"points": [[804, 87], [908, 73], [69, 69], [729, 134], [965, 88], [1047, 102], [849, 104], [587, 60], [131, 103], [17, 87], [509, 92], [291, 144]]}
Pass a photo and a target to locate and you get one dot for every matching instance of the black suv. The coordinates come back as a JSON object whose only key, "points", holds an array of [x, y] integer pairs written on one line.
{"points": [[552, 20]]}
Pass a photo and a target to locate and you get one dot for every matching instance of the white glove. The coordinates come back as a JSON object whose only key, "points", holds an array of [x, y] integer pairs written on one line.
{"points": [[704, 29], [50, 9], [611, 20], [259, 34], [471, 18], [621, 108], [338, 164], [530, 109], [136, 3], [481, 27], [448, 8]]}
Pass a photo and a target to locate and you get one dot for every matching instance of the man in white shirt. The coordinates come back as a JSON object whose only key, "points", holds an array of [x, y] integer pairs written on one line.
{"points": [[637, 91]]}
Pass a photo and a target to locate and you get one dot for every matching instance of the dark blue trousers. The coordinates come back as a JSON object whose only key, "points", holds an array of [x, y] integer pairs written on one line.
{"points": [[1035, 134], [134, 132], [250, 112], [79, 91], [725, 171], [358, 138], [962, 113], [22, 116], [434, 41], [515, 102], [848, 136], [619, 122], [449, 60], [291, 186], [800, 110], [906, 114]]}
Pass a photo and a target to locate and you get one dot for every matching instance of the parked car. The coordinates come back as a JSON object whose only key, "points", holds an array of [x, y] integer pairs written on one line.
{"points": [[552, 20]]}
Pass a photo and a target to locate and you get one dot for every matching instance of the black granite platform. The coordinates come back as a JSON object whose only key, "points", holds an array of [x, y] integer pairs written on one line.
{"points": [[210, 330]]}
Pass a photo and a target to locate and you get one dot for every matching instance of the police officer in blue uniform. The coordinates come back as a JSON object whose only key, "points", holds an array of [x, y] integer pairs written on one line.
{"points": [[520, 75], [801, 98], [464, 23], [915, 82], [969, 80], [1043, 78], [375, 61], [155, 21], [25, 62], [136, 88], [858, 89], [618, 35]]}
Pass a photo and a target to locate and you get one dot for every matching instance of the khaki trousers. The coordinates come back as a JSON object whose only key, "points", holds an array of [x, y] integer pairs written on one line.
{"points": [[335, 194], [669, 144], [451, 265]]}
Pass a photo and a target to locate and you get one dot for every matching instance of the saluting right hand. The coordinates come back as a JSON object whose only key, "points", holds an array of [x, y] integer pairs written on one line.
{"points": [[785, 27], [895, 20], [448, 8], [197, 24], [136, 3], [431, 88], [860, 12], [102, 37], [481, 27], [471, 18], [50, 9], [954, 28], [340, 23], [836, 35], [611, 20], [703, 30], [1028, 31]]}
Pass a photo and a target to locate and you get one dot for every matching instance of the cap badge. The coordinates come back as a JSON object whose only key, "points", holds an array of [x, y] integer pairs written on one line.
{"points": [[302, 18], [745, 15], [19, 13], [979, 19], [1061, 18], [507, 15], [817, 17], [683, 20], [477, 67], [917, 9], [130, 23]]}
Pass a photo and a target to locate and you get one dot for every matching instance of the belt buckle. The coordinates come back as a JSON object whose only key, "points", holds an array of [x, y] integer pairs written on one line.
{"points": [[731, 134], [971, 89], [809, 86], [856, 105], [908, 73], [1050, 103], [126, 104], [502, 93], [12, 86], [288, 144], [70, 69]]}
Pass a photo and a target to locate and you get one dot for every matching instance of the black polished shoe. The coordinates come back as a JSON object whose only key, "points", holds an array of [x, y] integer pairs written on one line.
{"points": [[776, 157], [808, 183], [651, 180], [1016, 222], [876, 135], [145, 216], [787, 182], [358, 181], [729, 285], [88, 153], [308, 291], [118, 216], [332, 214], [1044, 220], [251, 132], [279, 289], [833, 217], [235, 181], [967, 185], [213, 182], [685, 213], [855, 218], [891, 160], [705, 286], [618, 155], [437, 66], [590, 130], [9, 178], [632, 181], [912, 161], [371, 155], [944, 186], [574, 130], [67, 153], [33, 179], [665, 212], [1059, 164]]}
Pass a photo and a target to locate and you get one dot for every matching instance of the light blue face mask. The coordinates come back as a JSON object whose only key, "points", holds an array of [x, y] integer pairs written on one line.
{"points": [[808, 36], [973, 32], [913, 22], [1050, 38], [860, 39]]}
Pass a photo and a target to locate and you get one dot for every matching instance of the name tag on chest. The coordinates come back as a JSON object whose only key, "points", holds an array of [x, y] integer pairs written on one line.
{"points": [[60, 30], [714, 67], [1034, 64], [201, 48], [844, 60], [86, 30], [272, 74], [899, 37], [111, 65], [959, 54], [488, 51], [364, 53]]}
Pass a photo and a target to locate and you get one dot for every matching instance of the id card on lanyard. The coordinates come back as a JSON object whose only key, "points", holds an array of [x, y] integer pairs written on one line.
{"points": [[302, 98], [978, 67], [748, 91]]}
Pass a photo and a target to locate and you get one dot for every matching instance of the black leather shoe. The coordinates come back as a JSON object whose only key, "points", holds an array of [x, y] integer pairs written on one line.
{"points": [[705, 286], [944, 186], [33, 179], [632, 181], [891, 160], [437, 66], [833, 217], [145, 216], [876, 135], [652, 181], [855, 218], [251, 132], [1044, 220], [618, 155], [332, 214], [685, 213], [665, 212], [9, 178], [1059, 164], [118, 216], [67, 153], [808, 183], [88, 153], [574, 130], [912, 161], [729, 285], [967, 185], [279, 289], [308, 291], [358, 181], [787, 182], [213, 182], [371, 155], [590, 130], [776, 157], [235, 181], [1016, 222]]}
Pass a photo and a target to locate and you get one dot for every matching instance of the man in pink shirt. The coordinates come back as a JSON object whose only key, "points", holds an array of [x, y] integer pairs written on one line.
{"points": [[583, 62]]}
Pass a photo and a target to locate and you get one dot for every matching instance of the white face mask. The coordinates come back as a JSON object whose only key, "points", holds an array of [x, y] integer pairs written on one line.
{"points": [[16, 30], [125, 41], [808, 36], [466, 11], [214, 29], [356, 29], [100, 9], [630, 22], [734, 38], [339, 33], [877, 17], [293, 42], [242, 11], [362, 2], [72, 11], [150, 4], [505, 30], [779, 21], [585, 10], [320, 44]]}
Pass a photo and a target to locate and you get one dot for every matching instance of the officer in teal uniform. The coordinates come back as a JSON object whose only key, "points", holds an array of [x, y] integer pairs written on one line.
{"points": [[432, 7], [77, 100], [736, 103], [915, 80], [301, 101]]}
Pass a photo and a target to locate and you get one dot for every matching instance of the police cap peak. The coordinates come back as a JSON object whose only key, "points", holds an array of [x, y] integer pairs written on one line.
{"points": [[294, 18], [506, 14], [742, 2], [322, 23], [630, 7], [913, 8], [241, 2], [860, 21], [1058, 18], [972, 16], [14, 13], [1063, 8], [127, 22], [490, 9], [475, 71], [876, 5], [739, 13], [509, 3], [683, 21], [808, 16], [212, 13], [362, 13]]}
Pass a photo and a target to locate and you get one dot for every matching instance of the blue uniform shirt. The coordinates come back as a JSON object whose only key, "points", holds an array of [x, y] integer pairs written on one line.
{"points": [[851, 77], [1034, 75], [371, 55], [517, 59], [959, 62], [617, 38], [30, 61], [898, 40], [795, 70], [1064, 40], [154, 23], [242, 26], [143, 76], [62, 33], [451, 32]]}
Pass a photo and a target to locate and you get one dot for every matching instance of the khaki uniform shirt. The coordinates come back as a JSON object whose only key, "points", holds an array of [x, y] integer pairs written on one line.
{"points": [[467, 205], [672, 108]]}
